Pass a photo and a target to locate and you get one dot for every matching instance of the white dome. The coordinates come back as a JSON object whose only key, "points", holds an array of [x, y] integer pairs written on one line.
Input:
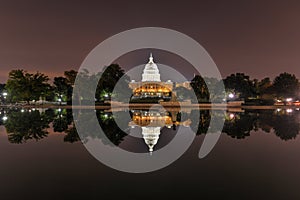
{"points": [[151, 136], [151, 72]]}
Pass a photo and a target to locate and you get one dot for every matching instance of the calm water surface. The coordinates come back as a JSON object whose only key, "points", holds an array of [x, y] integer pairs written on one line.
{"points": [[257, 157]]}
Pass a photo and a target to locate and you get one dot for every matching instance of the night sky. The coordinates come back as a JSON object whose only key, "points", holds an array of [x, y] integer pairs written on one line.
{"points": [[260, 38]]}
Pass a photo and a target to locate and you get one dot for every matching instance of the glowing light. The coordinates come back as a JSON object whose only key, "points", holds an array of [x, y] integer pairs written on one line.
{"points": [[289, 99], [231, 116], [231, 95], [4, 118], [289, 110], [5, 94], [59, 100], [22, 110]]}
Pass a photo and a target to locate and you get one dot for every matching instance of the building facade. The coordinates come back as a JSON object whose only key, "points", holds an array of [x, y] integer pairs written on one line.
{"points": [[151, 85]]}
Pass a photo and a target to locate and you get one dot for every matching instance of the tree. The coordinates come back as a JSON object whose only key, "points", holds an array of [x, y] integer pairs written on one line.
{"points": [[264, 86], [113, 78], [241, 85], [285, 86], [183, 93], [60, 86], [83, 91], [63, 86], [2, 89], [23, 86], [199, 86], [70, 76]]}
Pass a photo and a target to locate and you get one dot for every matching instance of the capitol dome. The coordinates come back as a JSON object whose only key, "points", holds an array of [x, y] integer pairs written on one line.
{"points": [[151, 72], [151, 136]]}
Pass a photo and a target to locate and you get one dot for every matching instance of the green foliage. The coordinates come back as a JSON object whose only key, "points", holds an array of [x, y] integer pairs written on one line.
{"points": [[70, 76], [200, 88], [264, 86], [71, 135], [183, 93], [21, 127], [2, 87], [24, 86], [241, 84], [285, 86], [114, 83], [63, 86], [208, 89]]}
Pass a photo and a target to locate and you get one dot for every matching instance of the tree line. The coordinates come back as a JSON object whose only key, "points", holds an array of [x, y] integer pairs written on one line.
{"points": [[240, 87], [25, 86]]}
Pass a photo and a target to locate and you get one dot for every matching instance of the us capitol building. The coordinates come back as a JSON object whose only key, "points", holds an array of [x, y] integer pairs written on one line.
{"points": [[151, 85]]}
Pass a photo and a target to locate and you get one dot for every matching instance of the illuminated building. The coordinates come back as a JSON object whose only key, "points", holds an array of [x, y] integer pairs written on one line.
{"points": [[151, 85]]}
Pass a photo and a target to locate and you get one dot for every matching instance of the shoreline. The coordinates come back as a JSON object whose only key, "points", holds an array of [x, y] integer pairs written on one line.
{"points": [[146, 106]]}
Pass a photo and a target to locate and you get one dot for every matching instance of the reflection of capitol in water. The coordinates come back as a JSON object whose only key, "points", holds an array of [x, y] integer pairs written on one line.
{"points": [[151, 123]]}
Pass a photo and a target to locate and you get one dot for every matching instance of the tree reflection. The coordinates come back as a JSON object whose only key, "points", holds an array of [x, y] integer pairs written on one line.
{"points": [[23, 126], [107, 122], [62, 120], [110, 127], [71, 135], [285, 125], [239, 125]]}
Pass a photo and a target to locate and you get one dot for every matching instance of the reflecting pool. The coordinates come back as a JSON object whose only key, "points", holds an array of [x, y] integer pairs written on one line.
{"points": [[257, 156]]}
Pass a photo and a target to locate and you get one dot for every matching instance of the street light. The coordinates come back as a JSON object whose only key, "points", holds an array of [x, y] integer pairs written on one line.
{"points": [[231, 116], [231, 95], [59, 100], [4, 94], [4, 118]]}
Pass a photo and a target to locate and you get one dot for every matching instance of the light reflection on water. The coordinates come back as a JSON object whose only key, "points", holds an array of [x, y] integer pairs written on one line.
{"points": [[257, 156], [22, 125]]}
